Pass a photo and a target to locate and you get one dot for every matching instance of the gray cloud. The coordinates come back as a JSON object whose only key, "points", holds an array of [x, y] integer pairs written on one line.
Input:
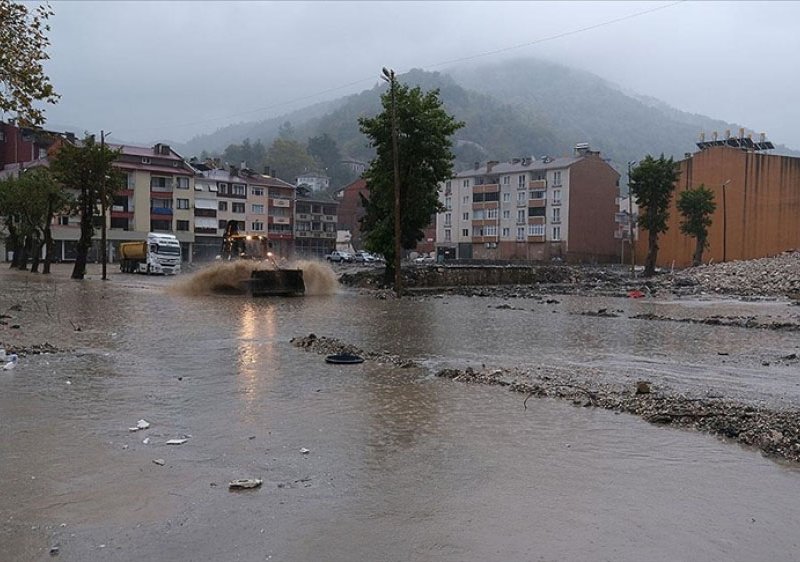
{"points": [[148, 70]]}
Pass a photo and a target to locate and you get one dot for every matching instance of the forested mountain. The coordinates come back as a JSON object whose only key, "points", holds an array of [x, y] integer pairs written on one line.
{"points": [[522, 107]]}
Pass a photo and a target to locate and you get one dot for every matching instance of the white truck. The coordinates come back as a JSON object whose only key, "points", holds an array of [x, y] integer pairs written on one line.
{"points": [[160, 253]]}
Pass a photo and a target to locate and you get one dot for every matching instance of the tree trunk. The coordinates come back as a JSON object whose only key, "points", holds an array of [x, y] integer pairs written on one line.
{"points": [[36, 245], [48, 245], [698, 251], [23, 254], [84, 243], [652, 254]]}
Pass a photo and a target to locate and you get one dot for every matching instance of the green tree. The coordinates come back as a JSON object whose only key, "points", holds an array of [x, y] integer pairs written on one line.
{"points": [[87, 170], [696, 207], [324, 150], [652, 184], [424, 131], [289, 158], [12, 208], [23, 49]]}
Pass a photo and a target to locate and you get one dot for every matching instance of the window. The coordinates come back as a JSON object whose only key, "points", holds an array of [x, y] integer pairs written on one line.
{"points": [[183, 204], [535, 230], [257, 209], [465, 232], [557, 215], [181, 225], [465, 183], [537, 194], [506, 197], [521, 181], [238, 189], [556, 233], [491, 213], [160, 182], [490, 230], [557, 178], [536, 211], [145, 160], [556, 196], [448, 185], [447, 235], [520, 197], [521, 215], [161, 204], [223, 188], [506, 214], [465, 216], [63, 220], [182, 183], [506, 232], [465, 200], [223, 206], [130, 182], [199, 187], [257, 225], [448, 203], [478, 214], [237, 207], [520, 233], [448, 217], [257, 191], [223, 224], [161, 225], [506, 180], [213, 188]]}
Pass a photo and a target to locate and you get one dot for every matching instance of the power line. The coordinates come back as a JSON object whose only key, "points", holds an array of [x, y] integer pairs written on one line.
{"points": [[434, 65]]}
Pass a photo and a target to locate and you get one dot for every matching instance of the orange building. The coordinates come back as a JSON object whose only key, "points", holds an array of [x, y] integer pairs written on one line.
{"points": [[758, 207]]}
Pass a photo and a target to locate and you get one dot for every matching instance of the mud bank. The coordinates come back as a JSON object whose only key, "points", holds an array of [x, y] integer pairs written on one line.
{"points": [[776, 433]]}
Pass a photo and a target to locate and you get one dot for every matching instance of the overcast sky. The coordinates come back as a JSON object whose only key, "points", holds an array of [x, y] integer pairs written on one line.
{"points": [[162, 70]]}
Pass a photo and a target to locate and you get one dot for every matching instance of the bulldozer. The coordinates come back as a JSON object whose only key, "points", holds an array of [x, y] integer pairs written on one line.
{"points": [[272, 280]]}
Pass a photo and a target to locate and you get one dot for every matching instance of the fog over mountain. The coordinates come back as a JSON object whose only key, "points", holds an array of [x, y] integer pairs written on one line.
{"points": [[149, 71]]}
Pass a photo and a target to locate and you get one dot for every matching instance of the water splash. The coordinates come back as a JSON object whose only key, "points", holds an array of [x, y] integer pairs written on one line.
{"points": [[229, 278]]}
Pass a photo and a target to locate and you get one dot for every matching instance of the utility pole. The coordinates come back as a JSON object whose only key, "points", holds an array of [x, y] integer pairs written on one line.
{"points": [[389, 76], [631, 221], [103, 206], [724, 224]]}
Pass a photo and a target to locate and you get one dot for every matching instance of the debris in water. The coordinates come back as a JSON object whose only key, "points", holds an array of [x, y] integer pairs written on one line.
{"points": [[159, 462], [642, 387], [176, 441], [54, 550], [344, 359], [141, 424], [245, 483], [305, 451], [12, 362], [146, 441]]}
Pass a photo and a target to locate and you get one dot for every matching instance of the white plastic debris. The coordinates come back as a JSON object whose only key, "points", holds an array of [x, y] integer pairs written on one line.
{"points": [[176, 441], [159, 462], [12, 362], [141, 424], [244, 483], [305, 451], [146, 441]]}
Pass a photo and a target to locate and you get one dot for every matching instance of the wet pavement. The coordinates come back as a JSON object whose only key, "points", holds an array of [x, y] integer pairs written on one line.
{"points": [[400, 465]]}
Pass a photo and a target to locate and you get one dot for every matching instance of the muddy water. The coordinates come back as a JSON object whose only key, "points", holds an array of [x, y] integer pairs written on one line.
{"points": [[402, 466]]}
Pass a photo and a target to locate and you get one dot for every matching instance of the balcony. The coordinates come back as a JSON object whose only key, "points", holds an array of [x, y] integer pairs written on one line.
{"points": [[161, 211], [205, 230], [486, 188], [281, 220], [161, 195], [205, 212], [537, 184], [285, 203], [537, 203]]}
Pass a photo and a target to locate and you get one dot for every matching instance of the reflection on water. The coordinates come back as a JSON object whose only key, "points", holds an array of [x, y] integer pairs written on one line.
{"points": [[402, 466]]}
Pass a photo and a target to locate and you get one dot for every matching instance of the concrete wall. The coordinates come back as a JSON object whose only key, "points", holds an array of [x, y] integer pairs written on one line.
{"points": [[592, 210], [453, 276], [762, 206]]}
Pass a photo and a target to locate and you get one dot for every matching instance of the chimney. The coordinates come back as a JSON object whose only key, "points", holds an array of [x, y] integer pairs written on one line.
{"points": [[477, 165], [702, 136], [491, 164], [714, 135], [581, 149]]}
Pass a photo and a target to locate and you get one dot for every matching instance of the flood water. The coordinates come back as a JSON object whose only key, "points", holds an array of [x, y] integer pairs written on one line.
{"points": [[401, 466]]}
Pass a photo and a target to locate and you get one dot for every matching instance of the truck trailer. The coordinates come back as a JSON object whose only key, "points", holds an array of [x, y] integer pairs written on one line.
{"points": [[160, 253]]}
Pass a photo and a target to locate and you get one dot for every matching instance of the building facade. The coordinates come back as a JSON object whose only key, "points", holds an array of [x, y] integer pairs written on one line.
{"points": [[315, 223], [313, 181], [531, 209], [758, 207]]}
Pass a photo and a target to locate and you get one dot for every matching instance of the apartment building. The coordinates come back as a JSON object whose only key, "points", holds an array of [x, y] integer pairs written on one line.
{"points": [[531, 209], [758, 204], [157, 196], [315, 223], [313, 181]]}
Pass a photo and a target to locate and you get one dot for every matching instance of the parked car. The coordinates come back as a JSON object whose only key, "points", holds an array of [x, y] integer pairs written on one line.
{"points": [[424, 260], [363, 257], [338, 257]]}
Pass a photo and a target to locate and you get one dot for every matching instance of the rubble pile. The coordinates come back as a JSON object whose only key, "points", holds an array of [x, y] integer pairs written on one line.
{"points": [[332, 346], [776, 276]]}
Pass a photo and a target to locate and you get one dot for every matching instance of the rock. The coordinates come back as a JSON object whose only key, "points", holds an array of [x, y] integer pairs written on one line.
{"points": [[244, 483], [642, 387]]}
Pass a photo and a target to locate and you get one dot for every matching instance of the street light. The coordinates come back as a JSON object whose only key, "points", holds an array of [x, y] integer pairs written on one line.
{"points": [[630, 220], [724, 224], [388, 76], [103, 241]]}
